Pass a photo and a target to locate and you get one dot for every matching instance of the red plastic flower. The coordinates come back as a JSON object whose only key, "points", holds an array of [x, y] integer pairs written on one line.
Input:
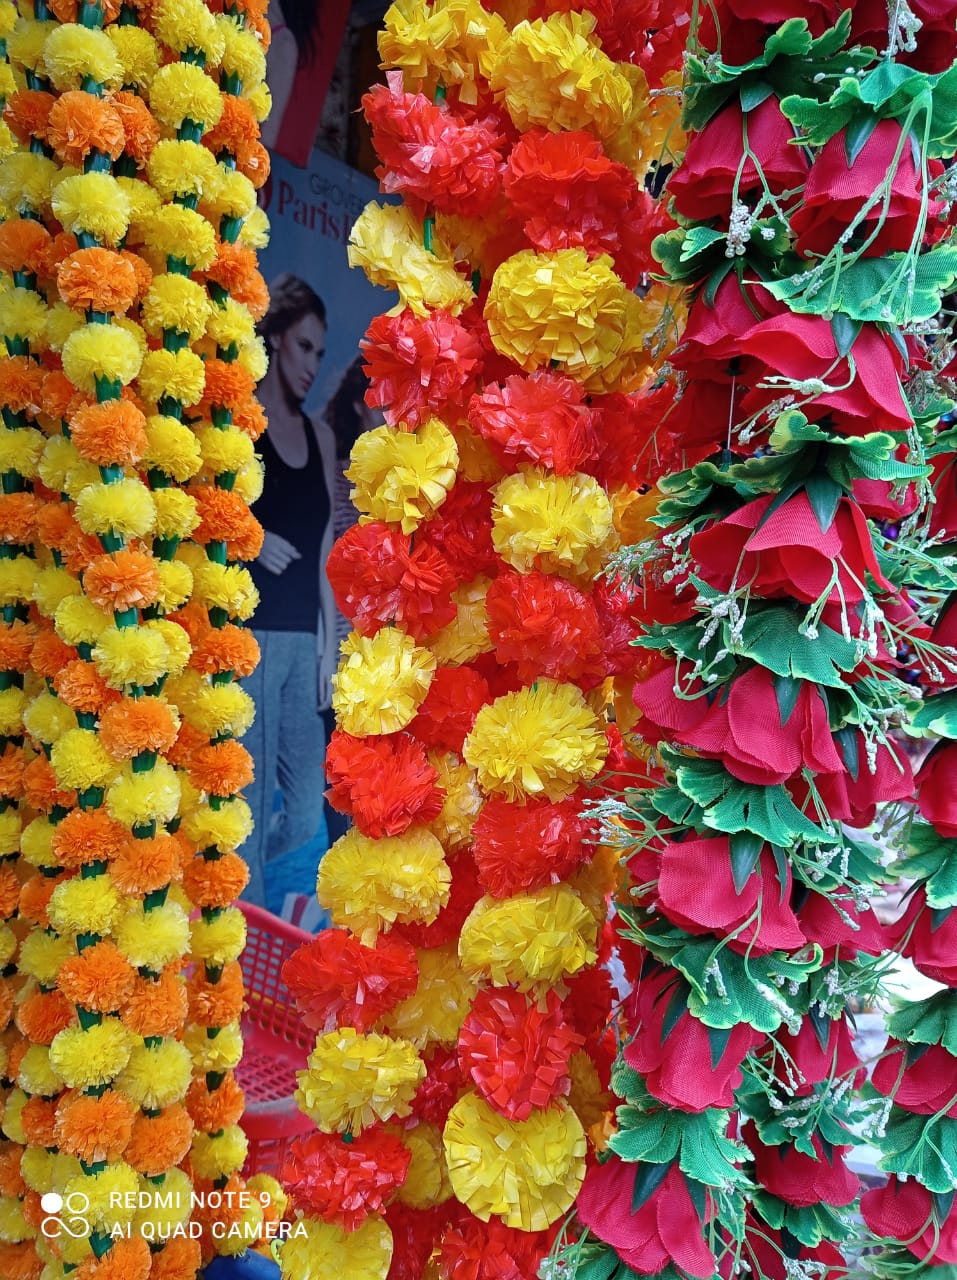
{"points": [[678, 1066], [546, 626], [420, 367], [907, 1212], [415, 1233], [443, 1085], [541, 418], [936, 793], [384, 783], [379, 576], [474, 1250], [781, 551], [344, 1181], [517, 1051], [800, 1061], [928, 938], [462, 530], [743, 726], [336, 981], [664, 1228], [636, 439], [703, 185], [921, 1078], [445, 718], [527, 846], [799, 1179]]}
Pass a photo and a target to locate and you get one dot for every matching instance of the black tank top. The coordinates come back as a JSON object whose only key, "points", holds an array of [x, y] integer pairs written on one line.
{"points": [[295, 504]]}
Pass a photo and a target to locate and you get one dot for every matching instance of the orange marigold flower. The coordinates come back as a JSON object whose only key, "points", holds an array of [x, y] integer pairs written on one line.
{"points": [[225, 517], [38, 1118], [81, 687], [60, 247], [58, 391], [194, 620], [16, 645], [94, 1129], [28, 113], [216, 1004], [49, 651], [35, 895], [11, 779], [42, 1015], [235, 271], [99, 978], [141, 866], [55, 525], [140, 130], [255, 163], [179, 1259], [19, 1261], [97, 279], [123, 580], [156, 1008], [112, 433], [215, 1109], [68, 10], [128, 1257], [227, 383], [18, 518], [21, 379], [229, 648], [79, 549], [237, 126], [11, 1184], [9, 891], [160, 1142], [216, 883], [6, 1007], [81, 123], [187, 741], [132, 725], [41, 790], [250, 417], [88, 835], [220, 769], [144, 275]]}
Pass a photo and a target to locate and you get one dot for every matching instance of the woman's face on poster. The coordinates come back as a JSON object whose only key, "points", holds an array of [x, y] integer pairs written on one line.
{"points": [[298, 352]]}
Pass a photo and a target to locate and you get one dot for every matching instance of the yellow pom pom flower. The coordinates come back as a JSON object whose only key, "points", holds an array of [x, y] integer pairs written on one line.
{"points": [[100, 352], [230, 324], [10, 836], [529, 940], [8, 945], [47, 718], [26, 43], [249, 482], [37, 846], [219, 941], [182, 91], [427, 1182], [224, 828], [221, 1052], [176, 232], [110, 1196], [85, 905], [13, 1225], [188, 24], [137, 53], [79, 621], [219, 709], [434, 1013], [229, 194], [463, 800], [176, 640], [59, 458], [556, 524], [224, 450], [218, 1155], [124, 507], [80, 760], [12, 1117], [403, 477], [152, 939], [381, 682], [13, 705], [527, 1173], [324, 1250], [254, 233], [23, 315], [229, 587], [20, 450], [352, 1081], [91, 1057], [173, 301], [176, 585], [387, 243], [136, 799], [16, 580], [466, 636], [369, 884], [60, 323], [156, 1076], [131, 655], [176, 514], [181, 168], [450, 42], [27, 182], [94, 203], [36, 1076], [536, 741], [177, 374], [73, 54], [171, 448], [254, 358]]}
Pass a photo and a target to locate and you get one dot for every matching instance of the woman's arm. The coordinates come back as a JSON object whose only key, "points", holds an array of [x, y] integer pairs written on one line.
{"points": [[281, 63], [329, 653]]}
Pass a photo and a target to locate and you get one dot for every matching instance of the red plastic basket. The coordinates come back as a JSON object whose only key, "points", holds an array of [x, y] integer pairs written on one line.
{"points": [[276, 1041]]}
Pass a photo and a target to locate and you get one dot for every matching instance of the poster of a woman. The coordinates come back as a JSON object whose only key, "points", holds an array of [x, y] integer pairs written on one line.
{"points": [[306, 37]]}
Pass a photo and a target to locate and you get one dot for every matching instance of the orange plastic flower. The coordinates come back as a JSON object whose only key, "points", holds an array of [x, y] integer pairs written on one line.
{"points": [[112, 433], [81, 123], [225, 517], [214, 1109], [216, 883], [38, 1118], [6, 1007], [132, 725], [79, 549], [237, 126], [49, 651], [179, 1259], [61, 246], [216, 1004], [250, 418], [159, 1142], [15, 1054], [94, 1129], [235, 271], [16, 645], [55, 526], [97, 279], [21, 379], [124, 580], [67, 10], [194, 620], [88, 835], [28, 113], [9, 891], [254, 162], [156, 1008], [221, 769], [187, 741], [35, 895], [81, 687], [11, 1184], [227, 383], [128, 1257], [18, 518], [42, 1015], [225, 1217], [99, 978], [58, 391], [140, 130], [41, 790], [141, 866], [11, 778], [144, 278], [230, 648]]}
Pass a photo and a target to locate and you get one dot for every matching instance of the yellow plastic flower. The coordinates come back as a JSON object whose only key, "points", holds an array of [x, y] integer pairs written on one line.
{"points": [[136, 799], [16, 580], [176, 232], [556, 524], [434, 1013], [176, 585], [229, 587], [59, 458], [91, 1057], [249, 482], [23, 315], [137, 52], [165, 1213], [177, 374], [13, 705], [12, 1115], [352, 1081], [8, 945], [219, 941], [36, 1075], [84, 905], [227, 449], [463, 799], [13, 1225], [176, 514], [559, 309], [531, 939], [124, 507], [553, 74], [224, 828], [172, 448], [176, 302], [152, 939], [156, 1075], [230, 324], [228, 194], [188, 24], [466, 636], [94, 203], [427, 1181], [259, 98], [544, 740], [326, 1252], [178, 648], [387, 243], [222, 1052], [47, 718], [220, 1154], [73, 54], [218, 709], [27, 182], [10, 837], [100, 351], [60, 323], [254, 358], [26, 43], [110, 1195], [381, 682], [181, 168], [527, 1173], [182, 91], [449, 42], [254, 233], [403, 477], [367, 884], [79, 621], [145, 204], [20, 450], [131, 655], [80, 760]]}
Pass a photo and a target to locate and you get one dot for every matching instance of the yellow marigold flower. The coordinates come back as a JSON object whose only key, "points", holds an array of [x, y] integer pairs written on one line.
{"points": [[220, 1154], [463, 800], [544, 740], [381, 682], [175, 232], [23, 315], [13, 1225], [91, 1057], [561, 308], [109, 1195], [254, 358], [16, 580], [229, 587], [176, 302], [60, 456], [527, 1172], [80, 760], [254, 233], [164, 1214], [79, 621], [20, 450], [219, 941], [136, 799], [13, 704], [176, 585], [8, 18], [100, 351], [556, 524], [13, 1110], [217, 709], [188, 24], [242, 55], [367, 885], [434, 1013], [124, 507], [352, 1080], [85, 906], [43, 954], [27, 182], [177, 374], [36, 1076], [403, 477], [224, 828], [466, 636], [94, 203], [156, 1076], [249, 482], [229, 194], [152, 939], [224, 450], [178, 648], [260, 100], [26, 43], [47, 718], [8, 945], [326, 1250], [427, 1182], [176, 514], [450, 42], [181, 168], [61, 321], [131, 655], [387, 243], [10, 836], [172, 448], [137, 53], [529, 940], [476, 461], [182, 91], [37, 1166], [230, 324], [553, 74], [145, 204], [73, 54]]}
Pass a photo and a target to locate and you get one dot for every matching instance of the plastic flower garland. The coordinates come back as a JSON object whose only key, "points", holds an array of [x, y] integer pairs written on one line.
{"points": [[456, 1005], [795, 576]]}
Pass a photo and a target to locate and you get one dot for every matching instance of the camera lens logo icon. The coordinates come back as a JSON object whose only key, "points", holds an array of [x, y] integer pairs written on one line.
{"points": [[65, 1215]]}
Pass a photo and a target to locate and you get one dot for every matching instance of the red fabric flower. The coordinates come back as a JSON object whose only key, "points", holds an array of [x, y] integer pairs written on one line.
{"points": [[384, 783], [842, 929], [928, 938], [907, 1212], [462, 530], [696, 891], [420, 367], [679, 1067], [943, 514], [853, 796], [936, 793], [743, 726], [799, 1179], [455, 697], [782, 552], [664, 1229], [379, 577], [517, 1051], [465, 892], [764, 1253], [921, 1078], [474, 1250], [443, 1085], [432, 156], [336, 981], [802, 348], [945, 635], [527, 846], [546, 626], [613, 603], [341, 1181], [540, 418], [876, 498], [936, 39], [703, 185], [800, 1061]]}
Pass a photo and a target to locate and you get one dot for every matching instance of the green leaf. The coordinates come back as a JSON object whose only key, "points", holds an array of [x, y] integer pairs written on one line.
{"points": [[932, 858], [937, 717], [845, 331], [648, 1178], [718, 1038], [855, 136], [787, 691], [654, 1136], [745, 852], [772, 637], [753, 93], [931, 1021], [730, 805], [697, 239], [824, 494], [921, 1148]]}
